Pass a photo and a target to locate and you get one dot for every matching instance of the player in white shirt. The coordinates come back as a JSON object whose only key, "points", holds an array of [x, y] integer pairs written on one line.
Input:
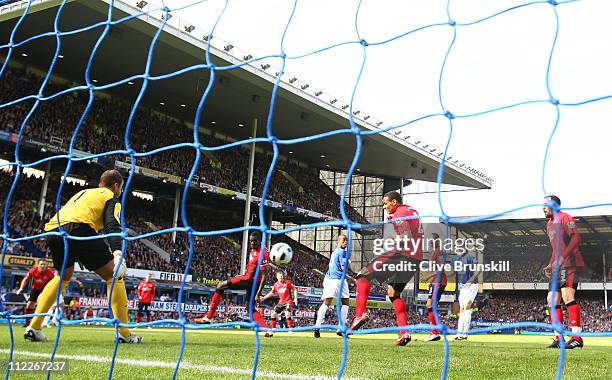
{"points": [[468, 289]]}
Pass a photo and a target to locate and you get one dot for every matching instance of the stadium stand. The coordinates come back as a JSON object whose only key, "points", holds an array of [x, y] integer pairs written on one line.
{"points": [[215, 258], [104, 131]]}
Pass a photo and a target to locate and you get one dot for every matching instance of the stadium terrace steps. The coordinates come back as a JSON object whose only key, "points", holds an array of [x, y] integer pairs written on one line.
{"points": [[152, 246]]}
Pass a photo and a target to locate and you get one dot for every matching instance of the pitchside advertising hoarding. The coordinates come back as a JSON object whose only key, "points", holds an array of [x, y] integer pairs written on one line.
{"points": [[141, 273], [222, 310]]}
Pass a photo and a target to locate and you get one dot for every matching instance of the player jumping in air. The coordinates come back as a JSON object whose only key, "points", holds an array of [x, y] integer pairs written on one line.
{"points": [[468, 289], [435, 281], [331, 285], [87, 213], [40, 275], [146, 295], [408, 230], [564, 239], [245, 282], [284, 288]]}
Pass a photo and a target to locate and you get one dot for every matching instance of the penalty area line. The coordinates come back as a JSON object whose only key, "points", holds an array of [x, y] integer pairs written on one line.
{"points": [[184, 365]]}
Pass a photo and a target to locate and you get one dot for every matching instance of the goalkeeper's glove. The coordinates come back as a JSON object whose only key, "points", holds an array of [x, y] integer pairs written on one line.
{"points": [[122, 271]]}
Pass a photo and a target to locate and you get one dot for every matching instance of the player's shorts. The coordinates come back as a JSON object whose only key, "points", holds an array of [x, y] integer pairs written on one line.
{"points": [[467, 293], [279, 308], [242, 283], [142, 306], [331, 286], [395, 269], [34, 293], [430, 293], [568, 278], [93, 254]]}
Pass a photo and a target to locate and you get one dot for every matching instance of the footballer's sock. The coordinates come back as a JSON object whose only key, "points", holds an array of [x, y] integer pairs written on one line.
{"points": [[467, 320], [46, 300], [273, 323], [400, 312], [559, 314], [119, 304], [259, 319], [138, 318], [344, 313], [148, 317], [432, 320], [290, 322], [460, 322], [361, 299], [46, 320], [321, 314], [573, 311], [214, 302], [28, 310]]}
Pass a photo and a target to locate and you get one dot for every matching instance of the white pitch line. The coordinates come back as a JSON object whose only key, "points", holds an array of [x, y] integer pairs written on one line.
{"points": [[184, 365]]}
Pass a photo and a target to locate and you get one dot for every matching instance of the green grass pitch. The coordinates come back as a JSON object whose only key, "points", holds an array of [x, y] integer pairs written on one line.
{"points": [[228, 354]]}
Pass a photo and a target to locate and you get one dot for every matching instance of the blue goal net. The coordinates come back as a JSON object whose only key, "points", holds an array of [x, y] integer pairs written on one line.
{"points": [[160, 16]]}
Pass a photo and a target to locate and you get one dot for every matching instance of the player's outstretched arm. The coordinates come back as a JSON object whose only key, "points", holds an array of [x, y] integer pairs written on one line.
{"points": [[23, 283], [270, 293]]}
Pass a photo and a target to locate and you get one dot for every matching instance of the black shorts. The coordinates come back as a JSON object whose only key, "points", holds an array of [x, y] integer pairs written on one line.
{"points": [[568, 278], [279, 308], [93, 254], [34, 293], [430, 293], [395, 278], [143, 307]]}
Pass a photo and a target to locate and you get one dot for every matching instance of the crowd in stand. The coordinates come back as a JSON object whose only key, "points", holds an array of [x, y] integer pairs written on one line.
{"points": [[530, 268], [104, 130], [523, 268], [522, 308], [214, 258]]}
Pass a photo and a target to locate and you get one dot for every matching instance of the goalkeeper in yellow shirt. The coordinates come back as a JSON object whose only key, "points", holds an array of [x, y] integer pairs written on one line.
{"points": [[88, 213]]}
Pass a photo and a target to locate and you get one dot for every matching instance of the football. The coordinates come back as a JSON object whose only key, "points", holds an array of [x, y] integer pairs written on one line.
{"points": [[281, 254]]}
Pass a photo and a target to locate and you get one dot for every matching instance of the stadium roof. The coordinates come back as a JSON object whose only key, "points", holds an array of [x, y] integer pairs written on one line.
{"points": [[505, 235], [238, 96]]}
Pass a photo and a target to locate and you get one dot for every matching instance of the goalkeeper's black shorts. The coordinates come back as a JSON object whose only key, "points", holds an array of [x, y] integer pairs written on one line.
{"points": [[93, 254]]}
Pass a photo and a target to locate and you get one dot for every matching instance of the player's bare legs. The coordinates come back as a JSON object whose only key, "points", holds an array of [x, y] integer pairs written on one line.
{"points": [[214, 303], [465, 318], [435, 334], [323, 310], [554, 298], [394, 291], [573, 311], [289, 319], [273, 317], [119, 303], [48, 295]]}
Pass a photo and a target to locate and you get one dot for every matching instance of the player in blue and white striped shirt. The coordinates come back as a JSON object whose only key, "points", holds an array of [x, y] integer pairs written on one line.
{"points": [[331, 283], [468, 288]]}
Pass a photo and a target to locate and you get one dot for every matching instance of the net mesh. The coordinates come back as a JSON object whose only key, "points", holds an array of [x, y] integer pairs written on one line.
{"points": [[199, 147]]}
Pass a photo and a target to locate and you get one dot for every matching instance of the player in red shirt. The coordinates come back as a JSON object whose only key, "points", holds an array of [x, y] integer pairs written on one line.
{"points": [[244, 282], [284, 288], [385, 266], [40, 275], [564, 239], [146, 295], [436, 258]]}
